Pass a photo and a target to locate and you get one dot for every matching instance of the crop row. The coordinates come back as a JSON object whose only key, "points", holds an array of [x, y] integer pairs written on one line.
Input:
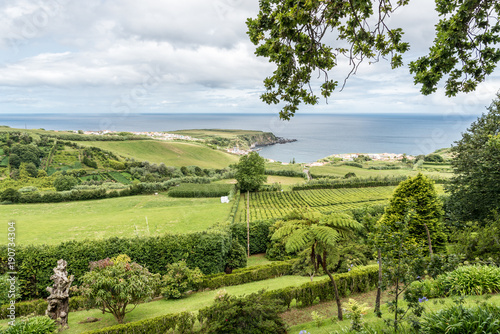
{"points": [[266, 205]]}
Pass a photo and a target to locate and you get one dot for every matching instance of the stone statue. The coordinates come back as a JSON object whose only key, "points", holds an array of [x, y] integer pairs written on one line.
{"points": [[58, 300]]}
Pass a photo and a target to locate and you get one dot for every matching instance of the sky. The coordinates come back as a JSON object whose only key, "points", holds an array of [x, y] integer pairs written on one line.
{"points": [[192, 56]]}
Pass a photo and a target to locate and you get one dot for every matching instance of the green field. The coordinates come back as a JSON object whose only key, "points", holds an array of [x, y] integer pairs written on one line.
{"points": [[125, 217], [175, 154]]}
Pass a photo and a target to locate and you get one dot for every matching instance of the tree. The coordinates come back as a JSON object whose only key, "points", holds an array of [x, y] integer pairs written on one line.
{"points": [[475, 187], [114, 284], [319, 234], [433, 157], [426, 226], [250, 172], [292, 35]]}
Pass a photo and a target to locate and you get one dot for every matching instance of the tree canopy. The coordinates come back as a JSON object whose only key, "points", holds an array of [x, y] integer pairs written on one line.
{"points": [[292, 35], [475, 187], [250, 172]]}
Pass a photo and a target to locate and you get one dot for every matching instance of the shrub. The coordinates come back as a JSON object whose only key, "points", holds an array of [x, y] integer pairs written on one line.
{"points": [[249, 314], [63, 182], [236, 258], [9, 289], [34, 325], [179, 279], [470, 280], [112, 284], [458, 319]]}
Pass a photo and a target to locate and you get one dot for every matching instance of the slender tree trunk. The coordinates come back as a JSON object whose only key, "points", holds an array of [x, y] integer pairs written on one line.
{"points": [[336, 290], [248, 223], [379, 288], [428, 238]]}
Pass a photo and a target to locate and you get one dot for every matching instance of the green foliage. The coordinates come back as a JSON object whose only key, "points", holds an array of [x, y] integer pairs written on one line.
{"points": [[180, 279], [34, 325], [317, 318], [352, 182], [250, 172], [25, 153], [293, 36], [418, 195], [252, 314], [237, 257], [476, 161], [475, 241], [10, 195], [39, 306], [433, 157], [355, 312], [179, 323], [116, 164], [64, 182], [114, 285], [9, 289], [259, 234], [457, 319], [200, 190], [465, 280]]}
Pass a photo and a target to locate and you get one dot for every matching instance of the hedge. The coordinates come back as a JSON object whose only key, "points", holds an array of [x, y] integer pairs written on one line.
{"points": [[289, 173], [246, 275], [34, 264], [39, 306], [179, 323], [259, 234], [200, 190], [357, 280]]}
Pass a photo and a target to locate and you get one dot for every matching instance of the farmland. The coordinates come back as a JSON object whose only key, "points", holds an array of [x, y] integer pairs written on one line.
{"points": [[124, 217], [175, 154]]}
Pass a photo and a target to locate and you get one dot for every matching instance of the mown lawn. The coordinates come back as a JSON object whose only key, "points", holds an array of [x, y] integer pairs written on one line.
{"points": [[53, 223], [175, 154]]}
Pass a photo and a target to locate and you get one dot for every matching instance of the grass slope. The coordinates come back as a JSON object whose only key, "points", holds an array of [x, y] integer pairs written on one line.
{"points": [[175, 154], [125, 217]]}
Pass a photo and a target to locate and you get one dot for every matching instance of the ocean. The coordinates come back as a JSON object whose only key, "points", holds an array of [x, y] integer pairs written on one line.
{"points": [[318, 135]]}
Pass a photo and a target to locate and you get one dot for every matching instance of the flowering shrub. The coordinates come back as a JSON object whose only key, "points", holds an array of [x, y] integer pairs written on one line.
{"points": [[114, 284]]}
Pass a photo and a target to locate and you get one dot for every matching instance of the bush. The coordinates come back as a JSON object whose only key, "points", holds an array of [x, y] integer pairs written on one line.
{"points": [[9, 289], [34, 325], [112, 284], [179, 279], [458, 319], [254, 314], [236, 258], [259, 234], [466, 280], [63, 182]]}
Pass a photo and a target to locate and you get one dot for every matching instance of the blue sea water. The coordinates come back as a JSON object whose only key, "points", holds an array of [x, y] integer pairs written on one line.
{"points": [[318, 135]]}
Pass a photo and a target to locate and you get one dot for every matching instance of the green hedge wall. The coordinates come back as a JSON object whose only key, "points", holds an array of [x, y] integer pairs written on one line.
{"points": [[205, 250], [198, 190], [259, 234], [246, 275]]}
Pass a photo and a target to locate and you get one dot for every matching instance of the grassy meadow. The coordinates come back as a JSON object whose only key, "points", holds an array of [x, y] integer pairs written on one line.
{"points": [[175, 154], [53, 223]]}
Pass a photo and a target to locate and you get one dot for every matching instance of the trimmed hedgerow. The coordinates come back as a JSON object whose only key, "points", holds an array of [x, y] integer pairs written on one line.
{"points": [[200, 190], [246, 275], [38, 307], [259, 234]]}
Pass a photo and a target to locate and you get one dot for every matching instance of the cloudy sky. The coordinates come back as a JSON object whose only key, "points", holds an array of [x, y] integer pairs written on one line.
{"points": [[117, 56]]}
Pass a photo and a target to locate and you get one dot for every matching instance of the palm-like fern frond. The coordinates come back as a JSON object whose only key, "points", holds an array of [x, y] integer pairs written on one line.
{"points": [[342, 223], [299, 240], [325, 235]]}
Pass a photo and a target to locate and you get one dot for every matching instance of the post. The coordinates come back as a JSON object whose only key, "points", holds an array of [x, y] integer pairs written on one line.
{"points": [[248, 223]]}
